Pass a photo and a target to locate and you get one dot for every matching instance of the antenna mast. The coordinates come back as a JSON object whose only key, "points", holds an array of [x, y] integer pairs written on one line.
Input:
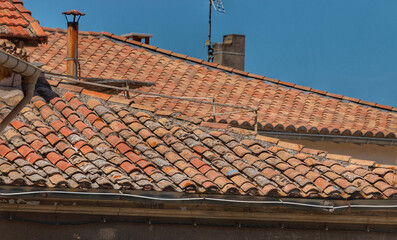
{"points": [[218, 6]]}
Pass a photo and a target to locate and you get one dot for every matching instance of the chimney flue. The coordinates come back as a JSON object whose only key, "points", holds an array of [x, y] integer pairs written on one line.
{"points": [[72, 18]]}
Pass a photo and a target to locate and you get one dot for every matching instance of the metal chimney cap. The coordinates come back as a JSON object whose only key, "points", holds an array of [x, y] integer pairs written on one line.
{"points": [[74, 12]]}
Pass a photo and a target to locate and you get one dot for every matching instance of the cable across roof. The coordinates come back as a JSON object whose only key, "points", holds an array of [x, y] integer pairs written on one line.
{"points": [[301, 203]]}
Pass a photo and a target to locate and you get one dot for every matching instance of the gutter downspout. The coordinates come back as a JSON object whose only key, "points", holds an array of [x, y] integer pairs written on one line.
{"points": [[30, 74]]}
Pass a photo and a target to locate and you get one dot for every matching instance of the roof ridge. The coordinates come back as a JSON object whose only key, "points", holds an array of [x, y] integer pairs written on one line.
{"points": [[225, 127], [229, 69]]}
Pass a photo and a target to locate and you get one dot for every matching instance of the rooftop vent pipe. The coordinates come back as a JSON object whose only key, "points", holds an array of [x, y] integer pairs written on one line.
{"points": [[30, 74], [72, 60]]}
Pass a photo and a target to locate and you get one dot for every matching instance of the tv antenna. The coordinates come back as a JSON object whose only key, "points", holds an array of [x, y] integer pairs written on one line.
{"points": [[218, 6]]}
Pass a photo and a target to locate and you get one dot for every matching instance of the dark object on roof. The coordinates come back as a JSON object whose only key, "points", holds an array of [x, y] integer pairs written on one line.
{"points": [[44, 90]]}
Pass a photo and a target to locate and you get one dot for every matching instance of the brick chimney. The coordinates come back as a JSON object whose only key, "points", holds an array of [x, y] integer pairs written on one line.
{"points": [[72, 60], [231, 52]]}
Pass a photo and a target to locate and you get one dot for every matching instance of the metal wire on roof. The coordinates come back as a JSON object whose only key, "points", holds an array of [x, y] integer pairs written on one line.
{"points": [[127, 90]]}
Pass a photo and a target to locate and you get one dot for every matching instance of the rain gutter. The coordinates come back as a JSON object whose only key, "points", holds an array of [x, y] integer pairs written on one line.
{"points": [[137, 203], [30, 75]]}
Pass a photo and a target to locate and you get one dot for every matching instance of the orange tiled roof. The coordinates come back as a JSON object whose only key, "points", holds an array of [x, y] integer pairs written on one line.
{"points": [[77, 141], [16, 22], [282, 106]]}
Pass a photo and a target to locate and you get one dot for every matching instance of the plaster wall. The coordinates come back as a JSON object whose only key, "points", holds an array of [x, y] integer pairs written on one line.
{"points": [[378, 153]]}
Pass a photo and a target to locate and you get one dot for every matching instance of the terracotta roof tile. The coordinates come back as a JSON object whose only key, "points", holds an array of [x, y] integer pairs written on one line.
{"points": [[110, 142], [157, 151], [302, 109], [17, 22]]}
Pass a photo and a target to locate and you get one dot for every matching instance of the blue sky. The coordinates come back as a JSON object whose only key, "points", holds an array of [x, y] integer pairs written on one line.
{"points": [[347, 47]]}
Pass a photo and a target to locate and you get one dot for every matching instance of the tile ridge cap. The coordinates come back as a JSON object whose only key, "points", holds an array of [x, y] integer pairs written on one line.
{"points": [[51, 29]]}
